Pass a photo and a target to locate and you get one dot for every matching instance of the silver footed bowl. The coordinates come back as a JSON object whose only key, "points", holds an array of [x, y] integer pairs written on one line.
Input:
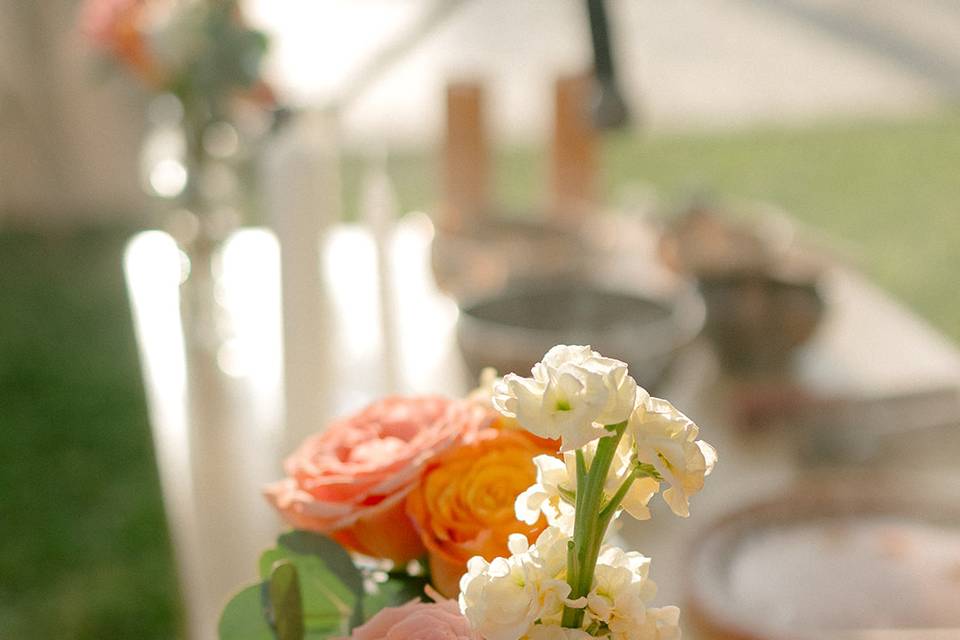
{"points": [[512, 329]]}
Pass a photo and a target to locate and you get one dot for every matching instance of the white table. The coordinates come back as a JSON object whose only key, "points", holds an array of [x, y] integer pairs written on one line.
{"points": [[217, 414]]}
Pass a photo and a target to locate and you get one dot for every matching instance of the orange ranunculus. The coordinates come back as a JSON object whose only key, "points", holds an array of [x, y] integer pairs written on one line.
{"points": [[351, 481], [463, 506]]}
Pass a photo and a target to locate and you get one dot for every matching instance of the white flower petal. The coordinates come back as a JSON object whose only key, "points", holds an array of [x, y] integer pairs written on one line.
{"points": [[666, 439], [638, 497], [529, 503], [573, 393]]}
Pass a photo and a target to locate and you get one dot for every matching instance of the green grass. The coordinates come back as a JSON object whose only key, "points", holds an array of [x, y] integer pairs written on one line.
{"points": [[888, 190], [83, 546], [84, 550]]}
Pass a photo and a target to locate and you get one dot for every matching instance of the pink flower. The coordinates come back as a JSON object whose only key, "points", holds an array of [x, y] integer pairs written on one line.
{"points": [[417, 621], [351, 480]]}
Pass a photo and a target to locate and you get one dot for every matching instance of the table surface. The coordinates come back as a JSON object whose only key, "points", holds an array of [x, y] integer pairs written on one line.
{"points": [[222, 418]]}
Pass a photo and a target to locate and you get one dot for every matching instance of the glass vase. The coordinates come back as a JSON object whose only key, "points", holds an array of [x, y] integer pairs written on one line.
{"points": [[189, 165]]}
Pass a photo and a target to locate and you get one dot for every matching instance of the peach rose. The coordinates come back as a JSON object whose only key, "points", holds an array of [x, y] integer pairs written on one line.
{"points": [[463, 506], [350, 481], [417, 621]]}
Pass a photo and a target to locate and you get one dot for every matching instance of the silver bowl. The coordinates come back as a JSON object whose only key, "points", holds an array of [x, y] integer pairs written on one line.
{"points": [[512, 329]]}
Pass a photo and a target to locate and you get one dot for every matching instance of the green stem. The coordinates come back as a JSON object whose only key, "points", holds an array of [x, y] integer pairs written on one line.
{"points": [[614, 504], [572, 552], [590, 523]]}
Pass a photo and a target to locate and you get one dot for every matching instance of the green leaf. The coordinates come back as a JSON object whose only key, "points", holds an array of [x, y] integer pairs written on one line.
{"points": [[335, 556], [285, 603], [312, 591], [331, 586], [243, 619]]}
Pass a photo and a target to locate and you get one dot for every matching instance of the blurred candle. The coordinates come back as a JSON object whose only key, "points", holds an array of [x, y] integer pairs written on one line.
{"points": [[301, 191], [466, 159], [574, 155], [379, 211]]}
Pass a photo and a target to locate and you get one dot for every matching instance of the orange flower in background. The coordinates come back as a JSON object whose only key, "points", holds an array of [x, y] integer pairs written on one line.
{"points": [[464, 504], [117, 27], [350, 481]]}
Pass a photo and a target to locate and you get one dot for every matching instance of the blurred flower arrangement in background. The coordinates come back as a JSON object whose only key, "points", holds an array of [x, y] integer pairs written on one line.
{"points": [[210, 111], [202, 62], [201, 51]]}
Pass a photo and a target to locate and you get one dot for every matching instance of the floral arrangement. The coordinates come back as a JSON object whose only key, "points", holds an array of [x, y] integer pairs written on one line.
{"points": [[201, 51], [210, 111], [482, 518]]}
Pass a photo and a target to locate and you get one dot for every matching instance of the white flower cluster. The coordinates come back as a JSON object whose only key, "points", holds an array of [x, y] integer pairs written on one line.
{"points": [[665, 438], [522, 597], [581, 397], [573, 393], [556, 486]]}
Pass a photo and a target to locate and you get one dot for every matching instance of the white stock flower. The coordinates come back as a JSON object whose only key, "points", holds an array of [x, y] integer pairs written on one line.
{"points": [[640, 492], [503, 599], [661, 623], [546, 563], [556, 632], [522, 597], [573, 393], [556, 487], [620, 590], [546, 495], [497, 598], [667, 439]]}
